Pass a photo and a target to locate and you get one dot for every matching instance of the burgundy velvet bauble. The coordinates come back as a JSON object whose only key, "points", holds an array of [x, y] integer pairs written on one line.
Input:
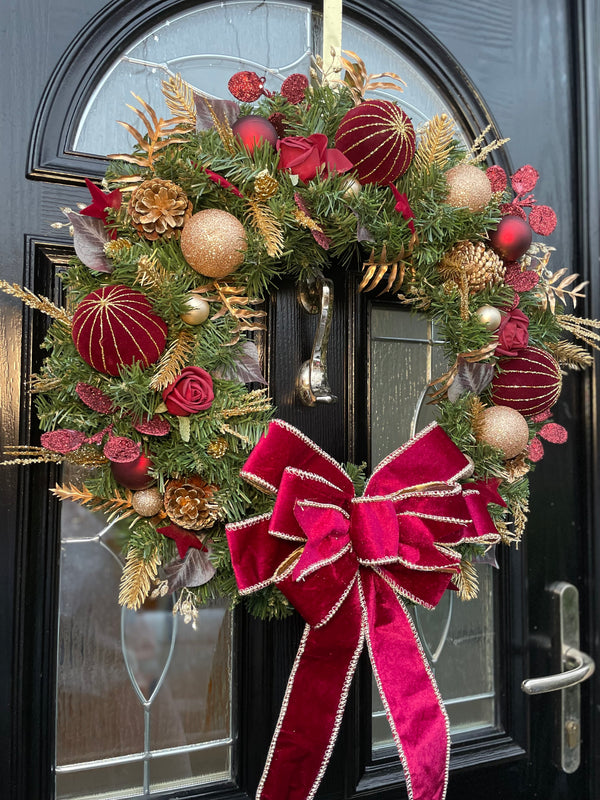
{"points": [[512, 237], [529, 382], [253, 130], [115, 326], [133, 474], [379, 139]]}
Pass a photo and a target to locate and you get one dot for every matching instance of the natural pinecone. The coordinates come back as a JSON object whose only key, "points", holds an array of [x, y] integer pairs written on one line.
{"points": [[159, 208], [481, 267], [189, 503]]}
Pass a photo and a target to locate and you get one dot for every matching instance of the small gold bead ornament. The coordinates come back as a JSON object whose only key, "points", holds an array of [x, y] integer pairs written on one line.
{"points": [[489, 316], [198, 310], [147, 502]]}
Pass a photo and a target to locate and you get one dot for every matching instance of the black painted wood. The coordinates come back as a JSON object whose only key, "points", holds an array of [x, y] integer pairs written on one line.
{"points": [[535, 66]]}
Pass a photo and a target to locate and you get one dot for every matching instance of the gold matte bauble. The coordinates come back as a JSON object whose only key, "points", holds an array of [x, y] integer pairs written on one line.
{"points": [[213, 242], [147, 502], [504, 428], [489, 316], [468, 187], [197, 311]]}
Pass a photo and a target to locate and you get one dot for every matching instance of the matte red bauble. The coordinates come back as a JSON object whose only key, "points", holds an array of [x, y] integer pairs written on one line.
{"points": [[529, 382], [379, 139], [253, 130], [115, 326], [133, 474], [512, 237]]}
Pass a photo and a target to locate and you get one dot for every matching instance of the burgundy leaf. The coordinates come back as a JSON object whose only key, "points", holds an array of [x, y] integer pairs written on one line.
{"points": [[195, 569], [89, 238], [223, 109], [470, 378]]}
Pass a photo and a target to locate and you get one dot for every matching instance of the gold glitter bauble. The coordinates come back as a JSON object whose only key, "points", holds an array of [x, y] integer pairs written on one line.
{"points": [[489, 316], [198, 310], [504, 428], [468, 186], [147, 502], [213, 242]]}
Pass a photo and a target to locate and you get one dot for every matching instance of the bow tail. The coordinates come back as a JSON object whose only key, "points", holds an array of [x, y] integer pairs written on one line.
{"points": [[408, 690], [313, 705]]}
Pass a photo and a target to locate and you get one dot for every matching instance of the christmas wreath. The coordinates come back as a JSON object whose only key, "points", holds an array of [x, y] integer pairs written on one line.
{"points": [[152, 373]]}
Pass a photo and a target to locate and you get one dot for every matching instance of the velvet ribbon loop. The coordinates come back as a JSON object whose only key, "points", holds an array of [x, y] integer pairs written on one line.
{"points": [[346, 564]]}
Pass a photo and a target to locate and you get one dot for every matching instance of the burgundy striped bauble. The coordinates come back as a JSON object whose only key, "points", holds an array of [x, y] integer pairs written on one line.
{"points": [[529, 382], [379, 139], [115, 326]]}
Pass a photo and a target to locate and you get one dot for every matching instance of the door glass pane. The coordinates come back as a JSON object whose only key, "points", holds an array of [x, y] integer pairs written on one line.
{"points": [[458, 636], [143, 700]]}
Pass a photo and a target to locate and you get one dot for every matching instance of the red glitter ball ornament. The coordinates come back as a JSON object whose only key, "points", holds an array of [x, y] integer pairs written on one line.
{"points": [[529, 382], [246, 86], [134, 475], [512, 237], [115, 326], [254, 130], [379, 139], [294, 88], [277, 120]]}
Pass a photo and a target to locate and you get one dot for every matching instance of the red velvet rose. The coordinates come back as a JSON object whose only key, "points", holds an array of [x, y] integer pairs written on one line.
{"points": [[305, 156], [191, 392], [513, 334]]}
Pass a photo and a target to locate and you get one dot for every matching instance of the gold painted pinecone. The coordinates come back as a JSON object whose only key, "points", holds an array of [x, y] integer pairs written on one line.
{"points": [[159, 208], [189, 503], [117, 247], [218, 448], [480, 266]]}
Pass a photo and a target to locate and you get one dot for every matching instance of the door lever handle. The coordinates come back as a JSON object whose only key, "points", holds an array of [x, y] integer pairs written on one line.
{"points": [[579, 667], [570, 667]]}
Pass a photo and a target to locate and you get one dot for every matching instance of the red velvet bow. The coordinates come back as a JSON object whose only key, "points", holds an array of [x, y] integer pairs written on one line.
{"points": [[346, 563]]}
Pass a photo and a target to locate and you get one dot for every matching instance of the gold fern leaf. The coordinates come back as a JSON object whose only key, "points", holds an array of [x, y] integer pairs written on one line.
{"points": [[359, 83], [570, 355], [138, 576], [179, 97], [435, 143], [38, 302], [173, 360], [466, 581], [262, 218], [119, 505]]}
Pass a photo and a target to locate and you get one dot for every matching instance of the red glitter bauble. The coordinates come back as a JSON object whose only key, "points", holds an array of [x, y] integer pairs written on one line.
{"points": [[379, 139], [115, 326], [529, 382], [133, 474], [253, 130], [294, 88], [246, 86], [512, 237]]}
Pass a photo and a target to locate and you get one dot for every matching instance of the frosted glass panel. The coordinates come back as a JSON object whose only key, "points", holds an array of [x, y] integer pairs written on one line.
{"points": [[143, 700], [458, 637]]}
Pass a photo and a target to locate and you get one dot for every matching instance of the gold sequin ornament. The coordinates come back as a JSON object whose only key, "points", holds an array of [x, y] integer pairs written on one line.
{"points": [[159, 209], [213, 242], [218, 448], [147, 502], [197, 310], [504, 428], [474, 263], [468, 187]]}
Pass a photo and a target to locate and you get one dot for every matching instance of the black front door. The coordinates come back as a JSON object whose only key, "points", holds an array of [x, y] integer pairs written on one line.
{"points": [[532, 65]]}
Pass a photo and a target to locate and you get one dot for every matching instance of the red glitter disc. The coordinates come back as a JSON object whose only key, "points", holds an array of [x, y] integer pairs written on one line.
{"points": [[154, 426], [246, 86], [535, 450], [521, 281], [524, 179], [121, 449], [63, 440], [497, 178], [554, 433], [542, 220], [294, 88], [95, 398], [512, 210]]}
